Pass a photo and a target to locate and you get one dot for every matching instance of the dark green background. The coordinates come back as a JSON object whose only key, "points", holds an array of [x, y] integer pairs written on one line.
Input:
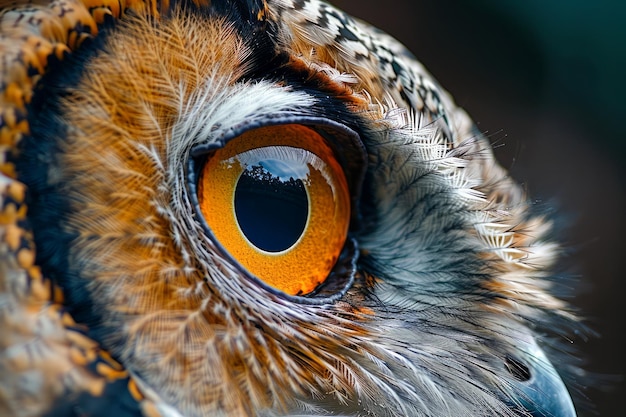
{"points": [[545, 79]]}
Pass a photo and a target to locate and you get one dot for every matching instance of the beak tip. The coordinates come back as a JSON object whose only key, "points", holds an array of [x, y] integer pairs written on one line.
{"points": [[540, 390]]}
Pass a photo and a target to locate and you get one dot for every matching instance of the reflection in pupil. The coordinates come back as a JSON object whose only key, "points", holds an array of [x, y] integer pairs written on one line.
{"points": [[271, 211]]}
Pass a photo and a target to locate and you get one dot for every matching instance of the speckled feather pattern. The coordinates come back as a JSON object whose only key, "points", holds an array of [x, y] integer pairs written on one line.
{"points": [[454, 274]]}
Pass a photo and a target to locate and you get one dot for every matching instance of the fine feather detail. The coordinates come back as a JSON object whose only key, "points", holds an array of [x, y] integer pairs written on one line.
{"points": [[454, 272]]}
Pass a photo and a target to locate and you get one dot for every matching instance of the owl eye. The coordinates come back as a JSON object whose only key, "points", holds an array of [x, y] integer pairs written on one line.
{"points": [[278, 202]]}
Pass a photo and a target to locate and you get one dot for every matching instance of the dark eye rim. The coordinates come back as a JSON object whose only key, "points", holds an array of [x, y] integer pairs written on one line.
{"points": [[351, 155]]}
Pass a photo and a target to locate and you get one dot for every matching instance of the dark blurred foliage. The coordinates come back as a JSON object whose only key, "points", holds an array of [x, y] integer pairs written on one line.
{"points": [[546, 80]]}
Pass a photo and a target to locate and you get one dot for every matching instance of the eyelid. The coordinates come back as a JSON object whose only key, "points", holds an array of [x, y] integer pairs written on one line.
{"points": [[351, 155]]}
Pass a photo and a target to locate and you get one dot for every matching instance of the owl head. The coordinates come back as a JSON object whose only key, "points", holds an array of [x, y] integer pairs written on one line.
{"points": [[257, 207]]}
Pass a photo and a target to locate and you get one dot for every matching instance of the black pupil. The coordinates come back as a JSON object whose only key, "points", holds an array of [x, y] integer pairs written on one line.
{"points": [[271, 211]]}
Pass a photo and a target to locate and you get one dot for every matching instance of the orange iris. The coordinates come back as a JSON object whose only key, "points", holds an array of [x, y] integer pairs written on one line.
{"points": [[277, 200]]}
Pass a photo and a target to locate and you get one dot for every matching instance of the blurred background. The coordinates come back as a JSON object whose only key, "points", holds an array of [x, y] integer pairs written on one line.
{"points": [[546, 80]]}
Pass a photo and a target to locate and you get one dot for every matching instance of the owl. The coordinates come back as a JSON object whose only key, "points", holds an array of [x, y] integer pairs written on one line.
{"points": [[258, 208]]}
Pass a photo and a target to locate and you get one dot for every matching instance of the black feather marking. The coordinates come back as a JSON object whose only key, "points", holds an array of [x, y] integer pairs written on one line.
{"points": [[115, 400]]}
